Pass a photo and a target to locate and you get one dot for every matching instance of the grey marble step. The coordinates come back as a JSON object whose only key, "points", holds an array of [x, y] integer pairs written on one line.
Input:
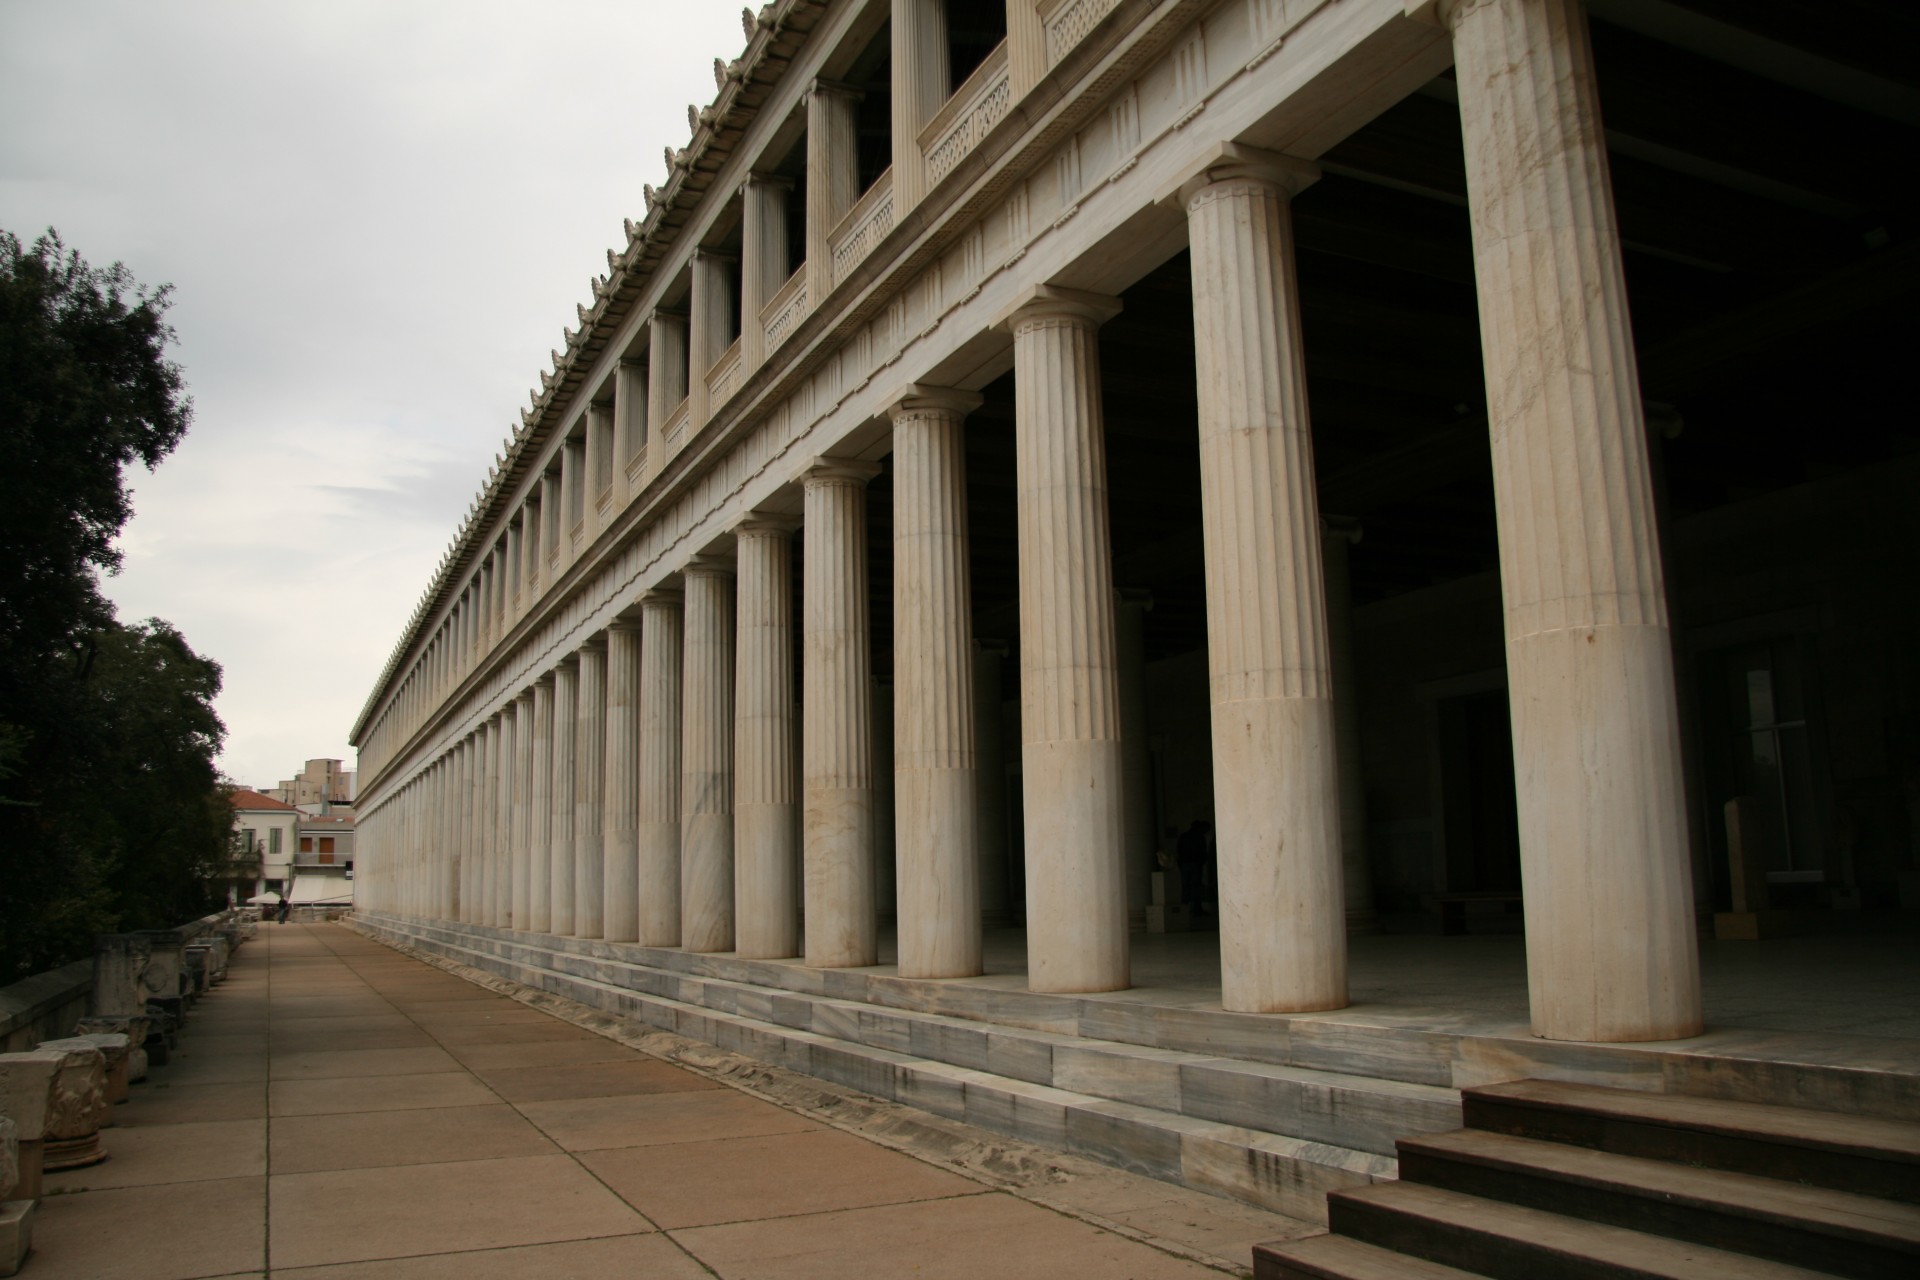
{"points": [[1857, 1075], [1514, 1242], [1871, 1155], [1358, 1112], [1831, 1231], [1333, 1257], [1275, 1171]]}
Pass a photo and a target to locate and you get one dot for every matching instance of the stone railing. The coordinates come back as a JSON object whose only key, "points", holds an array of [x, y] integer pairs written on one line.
{"points": [[864, 227], [1068, 21], [968, 115], [674, 429], [785, 310], [723, 379]]}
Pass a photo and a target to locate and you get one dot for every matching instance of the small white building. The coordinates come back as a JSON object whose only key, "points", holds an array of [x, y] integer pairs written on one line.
{"points": [[266, 830]]}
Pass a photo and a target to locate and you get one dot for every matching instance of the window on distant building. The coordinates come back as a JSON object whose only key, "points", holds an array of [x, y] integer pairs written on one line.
{"points": [[326, 844], [306, 844], [273, 840]]}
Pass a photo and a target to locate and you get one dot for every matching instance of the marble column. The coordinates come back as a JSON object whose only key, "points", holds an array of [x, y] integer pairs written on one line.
{"points": [[833, 175], [919, 66], [505, 769], [763, 259], [1130, 608], [1611, 953], [990, 776], [485, 830], [620, 832], [630, 406], [1283, 941], [1069, 673], [1338, 534], [836, 698], [709, 329], [935, 788], [521, 851], [566, 742], [589, 792], [706, 759], [766, 862], [540, 809], [657, 840]]}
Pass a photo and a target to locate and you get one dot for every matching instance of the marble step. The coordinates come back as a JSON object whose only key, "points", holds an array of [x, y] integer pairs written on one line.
{"points": [[1832, 1231], [1274, 1171], [1867, 1155], [1857, 1075], [1514, 1242], [1332, 1257], [1353, 1111]]}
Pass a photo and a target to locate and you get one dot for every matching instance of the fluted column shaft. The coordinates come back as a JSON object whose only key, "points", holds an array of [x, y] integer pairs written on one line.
{"points": [[463, 847], [659, 834], [1069, 668], [833, 175], [566, 735], [919, 66], [935, 789], [485, 826], [620, 829], [706, 761], [766, 863], [507, 754], [589, 793], [841, 929], [1611, 953], [1283, 939], [540, 810], [763, 259], [522, 811]]}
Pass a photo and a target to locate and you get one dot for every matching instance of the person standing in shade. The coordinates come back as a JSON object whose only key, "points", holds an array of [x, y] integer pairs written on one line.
{"points": [[1196, 843]]}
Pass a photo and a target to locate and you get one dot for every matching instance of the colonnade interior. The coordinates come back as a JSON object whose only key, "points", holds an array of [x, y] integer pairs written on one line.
{"points": [[1768, 238]]}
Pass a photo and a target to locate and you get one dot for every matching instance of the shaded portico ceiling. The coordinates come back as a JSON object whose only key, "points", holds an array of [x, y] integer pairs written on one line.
{"points": [[1772, 250]]}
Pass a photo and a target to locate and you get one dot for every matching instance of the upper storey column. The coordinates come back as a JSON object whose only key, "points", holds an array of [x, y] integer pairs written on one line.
{"points": [[706, 761], [836, 693], [833, 175], [710, 330], [657, 837], [766, 867], [1603, 839], [630, 422], [935, 791], [763, 259], [1283, 938], [667, 381], [919, 31], [620, 827], [1069, 665]]}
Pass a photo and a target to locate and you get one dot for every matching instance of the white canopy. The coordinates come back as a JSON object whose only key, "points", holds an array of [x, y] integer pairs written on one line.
{"points": [[321, 890]]}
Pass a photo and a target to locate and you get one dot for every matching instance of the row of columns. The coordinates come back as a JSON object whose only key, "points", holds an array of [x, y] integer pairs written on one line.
{"points": [[690, 733]]}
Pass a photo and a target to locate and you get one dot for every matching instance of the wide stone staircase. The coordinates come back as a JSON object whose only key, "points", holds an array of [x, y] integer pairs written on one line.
{"points": [[1556, 1181]]}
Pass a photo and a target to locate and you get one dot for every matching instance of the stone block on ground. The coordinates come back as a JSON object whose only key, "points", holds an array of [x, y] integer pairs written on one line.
{"points": [[77, 1107], [16, 1233]]}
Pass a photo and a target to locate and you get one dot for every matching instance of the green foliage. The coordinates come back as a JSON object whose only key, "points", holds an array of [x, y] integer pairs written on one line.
{"points": [[111, 814]]}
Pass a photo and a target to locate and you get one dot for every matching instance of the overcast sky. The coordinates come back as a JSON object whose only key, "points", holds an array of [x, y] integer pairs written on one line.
{"points": [[377, 215]]}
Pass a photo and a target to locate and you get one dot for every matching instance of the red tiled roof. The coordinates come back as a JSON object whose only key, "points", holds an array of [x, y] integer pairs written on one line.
{"points": [[247, 800]]}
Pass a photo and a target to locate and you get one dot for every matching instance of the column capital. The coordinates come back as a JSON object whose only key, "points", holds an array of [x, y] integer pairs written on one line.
{"points": [[836, 88], [760, 178], [837, 471], [598, 640], [544, 678], [917, 399], [1045, 302], [1228, 162], [766, 522], [714, 255], [661, 597], [630, 622], [707, 565]]}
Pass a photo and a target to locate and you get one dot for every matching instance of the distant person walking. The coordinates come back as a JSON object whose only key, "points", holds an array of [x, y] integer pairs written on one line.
{"points": [[286, 909]]}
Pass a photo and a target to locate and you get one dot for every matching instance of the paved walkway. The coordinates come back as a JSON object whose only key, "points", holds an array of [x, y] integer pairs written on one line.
{"points": [[338, 1110]]}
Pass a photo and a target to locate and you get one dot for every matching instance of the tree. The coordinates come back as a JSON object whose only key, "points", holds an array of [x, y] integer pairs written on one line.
{"points": [[111, 813]]}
